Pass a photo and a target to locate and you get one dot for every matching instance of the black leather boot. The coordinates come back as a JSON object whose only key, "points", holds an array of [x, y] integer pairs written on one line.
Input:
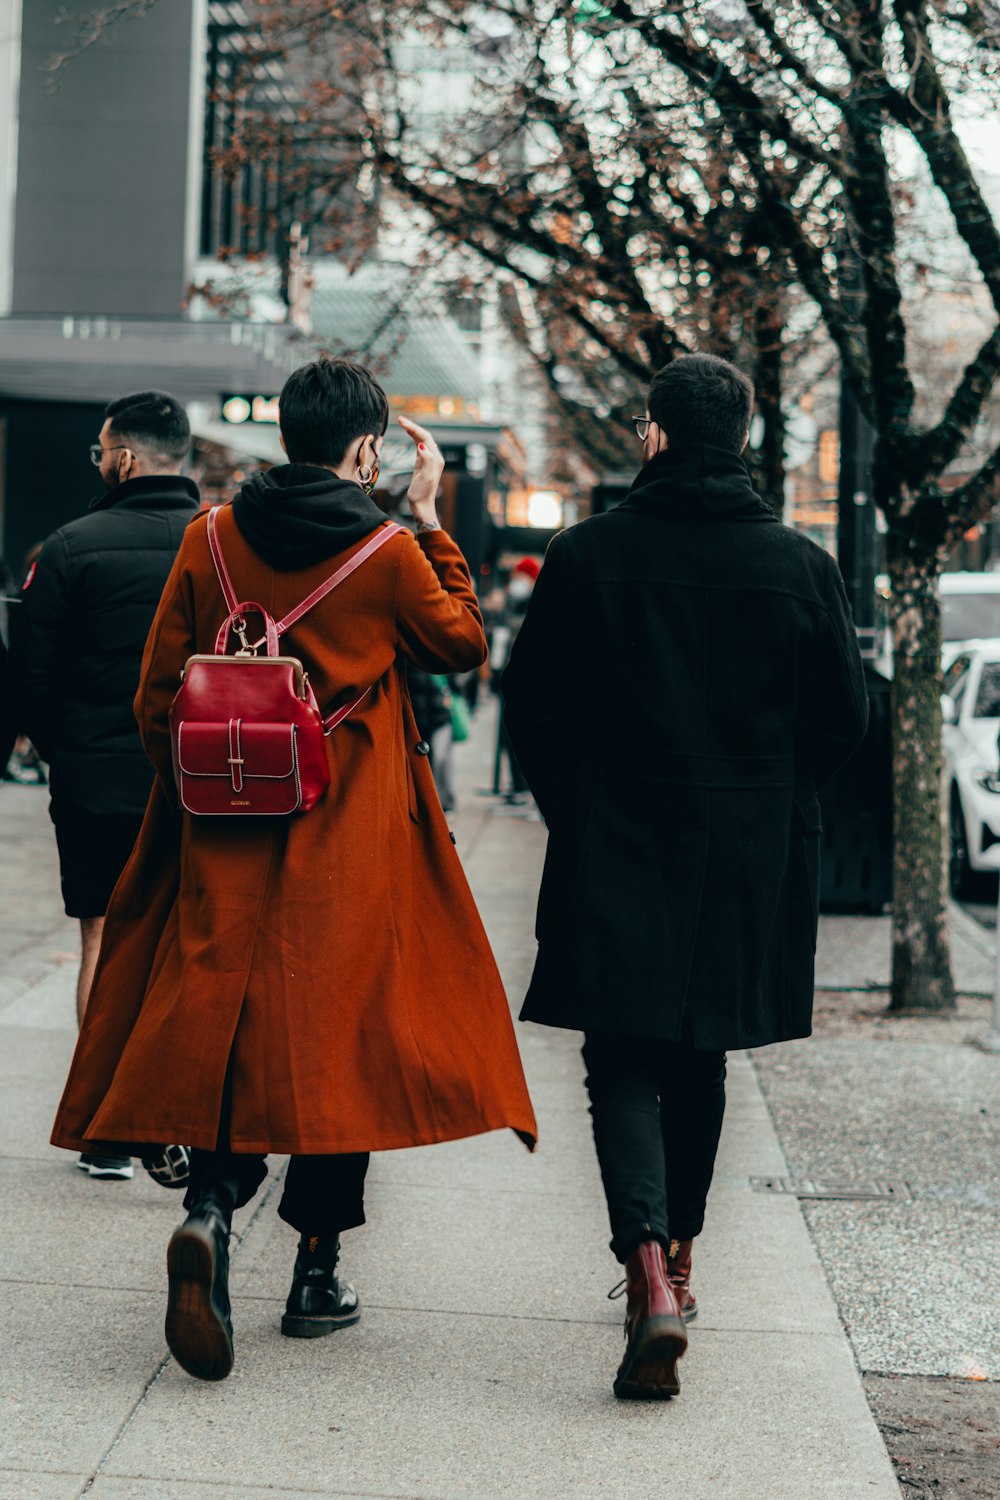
{"points": [[319, 1301], [198, 1326]]}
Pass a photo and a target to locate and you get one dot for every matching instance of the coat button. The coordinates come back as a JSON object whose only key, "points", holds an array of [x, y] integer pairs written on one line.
{"points": [[423, 748]]}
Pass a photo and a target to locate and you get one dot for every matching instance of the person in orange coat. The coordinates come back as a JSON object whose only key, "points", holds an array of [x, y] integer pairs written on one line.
{"points": [[319, 985]]}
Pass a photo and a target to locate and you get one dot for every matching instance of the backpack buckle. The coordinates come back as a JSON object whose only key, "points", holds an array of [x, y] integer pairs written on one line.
{"points": [[239, 625]]}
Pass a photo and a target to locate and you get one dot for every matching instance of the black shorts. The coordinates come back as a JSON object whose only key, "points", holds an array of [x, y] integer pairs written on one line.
{"points": [[93, 851]]}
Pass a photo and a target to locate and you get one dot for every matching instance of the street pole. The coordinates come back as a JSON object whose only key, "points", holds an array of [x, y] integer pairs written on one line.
{"points": [[856, 519]]}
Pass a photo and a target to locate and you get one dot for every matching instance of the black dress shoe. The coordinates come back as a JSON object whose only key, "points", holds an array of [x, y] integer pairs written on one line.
{"points": [[319, 1301], [198, 1327]]}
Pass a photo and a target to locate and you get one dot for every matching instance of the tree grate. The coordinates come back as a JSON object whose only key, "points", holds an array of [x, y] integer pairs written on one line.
{"points": [[875, 1190]]}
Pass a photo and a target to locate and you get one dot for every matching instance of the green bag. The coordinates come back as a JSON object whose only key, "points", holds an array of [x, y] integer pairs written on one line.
{"points": [[461, 725], [461, 722]]}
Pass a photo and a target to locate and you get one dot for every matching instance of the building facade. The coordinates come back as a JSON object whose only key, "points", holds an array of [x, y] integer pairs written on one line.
{"points": [[100, 225]]}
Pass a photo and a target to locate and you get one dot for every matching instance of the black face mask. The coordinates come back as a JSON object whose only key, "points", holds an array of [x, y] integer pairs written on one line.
{"points": [[368, 485], [112, 484]]}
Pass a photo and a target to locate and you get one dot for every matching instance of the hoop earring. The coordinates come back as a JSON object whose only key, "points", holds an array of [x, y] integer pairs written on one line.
{"points": [[368, 477]]}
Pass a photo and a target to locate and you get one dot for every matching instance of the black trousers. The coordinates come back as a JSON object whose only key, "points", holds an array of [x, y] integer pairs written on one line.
{"points": [[323, 1195], [657, 1111]]}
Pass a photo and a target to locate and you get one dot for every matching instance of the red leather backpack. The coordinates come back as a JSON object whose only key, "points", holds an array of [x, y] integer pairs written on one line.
{"points": [[247, 734]]}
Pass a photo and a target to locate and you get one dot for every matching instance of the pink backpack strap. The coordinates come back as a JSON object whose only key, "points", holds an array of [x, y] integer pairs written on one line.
{"points": [[332, 720], [385, 534], [273, 631], [215, 546]]}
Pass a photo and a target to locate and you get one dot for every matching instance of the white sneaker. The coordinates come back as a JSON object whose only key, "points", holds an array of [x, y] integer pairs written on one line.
{"points": [[107, 1168]]}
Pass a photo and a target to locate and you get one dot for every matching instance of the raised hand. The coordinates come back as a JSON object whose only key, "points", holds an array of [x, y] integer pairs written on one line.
{"points": [[428, 466]]}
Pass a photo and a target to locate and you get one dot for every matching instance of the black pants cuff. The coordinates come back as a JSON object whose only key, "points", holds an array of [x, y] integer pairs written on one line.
{"points": [[626, 1244], [311, 1219], [209, 1169], [687, 1231]]}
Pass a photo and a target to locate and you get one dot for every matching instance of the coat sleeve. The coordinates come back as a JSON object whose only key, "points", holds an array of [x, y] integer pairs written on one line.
{"points": [[170, 642], [437, 615], [40, 645], [540, 704], [833, 698]]}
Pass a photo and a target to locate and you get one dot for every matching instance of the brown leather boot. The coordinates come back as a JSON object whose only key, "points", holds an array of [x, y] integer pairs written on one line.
{"points": [[679, 1276], [654, 1330]]}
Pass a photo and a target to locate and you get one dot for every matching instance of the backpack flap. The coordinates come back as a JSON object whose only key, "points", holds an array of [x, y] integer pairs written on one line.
{"points": [[238, 767]]}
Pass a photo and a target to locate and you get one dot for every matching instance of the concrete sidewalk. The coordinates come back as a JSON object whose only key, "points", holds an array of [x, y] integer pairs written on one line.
{"points": [[482, 1366], [855, 953]]}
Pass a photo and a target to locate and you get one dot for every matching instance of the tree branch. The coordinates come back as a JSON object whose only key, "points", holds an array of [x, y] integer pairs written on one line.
{"points": [[972, 502], [925, 110], [933, 451], [867, 190]]}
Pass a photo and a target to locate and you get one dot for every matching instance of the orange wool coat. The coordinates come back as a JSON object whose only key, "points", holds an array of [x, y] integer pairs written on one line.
{"points": [[336, 955]]}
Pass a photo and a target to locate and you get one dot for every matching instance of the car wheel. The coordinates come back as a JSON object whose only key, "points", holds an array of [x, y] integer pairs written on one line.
{"points": [[960, 874]]}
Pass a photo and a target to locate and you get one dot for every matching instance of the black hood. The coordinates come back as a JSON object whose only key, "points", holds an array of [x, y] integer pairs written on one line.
{"points": [[698, 482], [152, 492], [296, 515]]}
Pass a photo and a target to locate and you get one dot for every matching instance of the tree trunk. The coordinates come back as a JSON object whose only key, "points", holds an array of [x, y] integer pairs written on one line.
{"points": [[921, 963]]}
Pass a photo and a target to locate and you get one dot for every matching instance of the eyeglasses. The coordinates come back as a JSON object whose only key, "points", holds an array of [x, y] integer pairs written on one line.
{"points": [[97, 452], [641, 425]]}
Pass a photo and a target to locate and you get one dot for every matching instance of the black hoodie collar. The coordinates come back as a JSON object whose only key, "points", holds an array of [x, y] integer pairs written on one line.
{"points": [[296, 515], [698, 482], [153, 492]]}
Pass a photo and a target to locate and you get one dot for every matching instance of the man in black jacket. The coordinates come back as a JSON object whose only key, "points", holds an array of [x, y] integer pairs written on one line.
{"points": [[75, 658], [686, 678]]}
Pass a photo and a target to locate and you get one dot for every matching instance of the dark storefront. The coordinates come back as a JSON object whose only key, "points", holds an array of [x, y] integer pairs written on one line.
{"points": [[46, 477]]}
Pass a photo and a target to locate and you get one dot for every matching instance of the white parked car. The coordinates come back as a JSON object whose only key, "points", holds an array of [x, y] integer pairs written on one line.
{"points": [[971, 705], [970, 610]]}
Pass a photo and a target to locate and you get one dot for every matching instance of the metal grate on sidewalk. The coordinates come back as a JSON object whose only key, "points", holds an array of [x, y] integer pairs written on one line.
{"points": [[875, 1190]]}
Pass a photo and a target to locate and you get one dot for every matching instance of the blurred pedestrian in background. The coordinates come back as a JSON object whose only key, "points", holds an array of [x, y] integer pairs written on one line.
{"points": [[8, 600], [520, 585], [8, 721], [686, 678], [24, 765], [88, 603], [8, 726], [431, 696], [318, 985]]}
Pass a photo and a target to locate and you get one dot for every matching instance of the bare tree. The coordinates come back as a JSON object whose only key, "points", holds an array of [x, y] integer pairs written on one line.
{"points": [[652, 178]]}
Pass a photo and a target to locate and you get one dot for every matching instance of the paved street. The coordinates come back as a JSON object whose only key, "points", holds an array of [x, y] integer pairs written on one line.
{"points": [[913, 1105], [483, 1362]]}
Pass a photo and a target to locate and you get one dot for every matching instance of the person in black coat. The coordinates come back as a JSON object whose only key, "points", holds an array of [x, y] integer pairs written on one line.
{"points": [[686, 678], [87, 608]]}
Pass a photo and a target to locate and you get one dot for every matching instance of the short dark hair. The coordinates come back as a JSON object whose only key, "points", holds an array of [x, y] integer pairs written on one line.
{"points": [[325, 405], [154, 421], [702, 399]]}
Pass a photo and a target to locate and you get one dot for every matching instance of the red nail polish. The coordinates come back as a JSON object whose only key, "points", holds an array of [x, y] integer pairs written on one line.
{"points": [[421, 447]]}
